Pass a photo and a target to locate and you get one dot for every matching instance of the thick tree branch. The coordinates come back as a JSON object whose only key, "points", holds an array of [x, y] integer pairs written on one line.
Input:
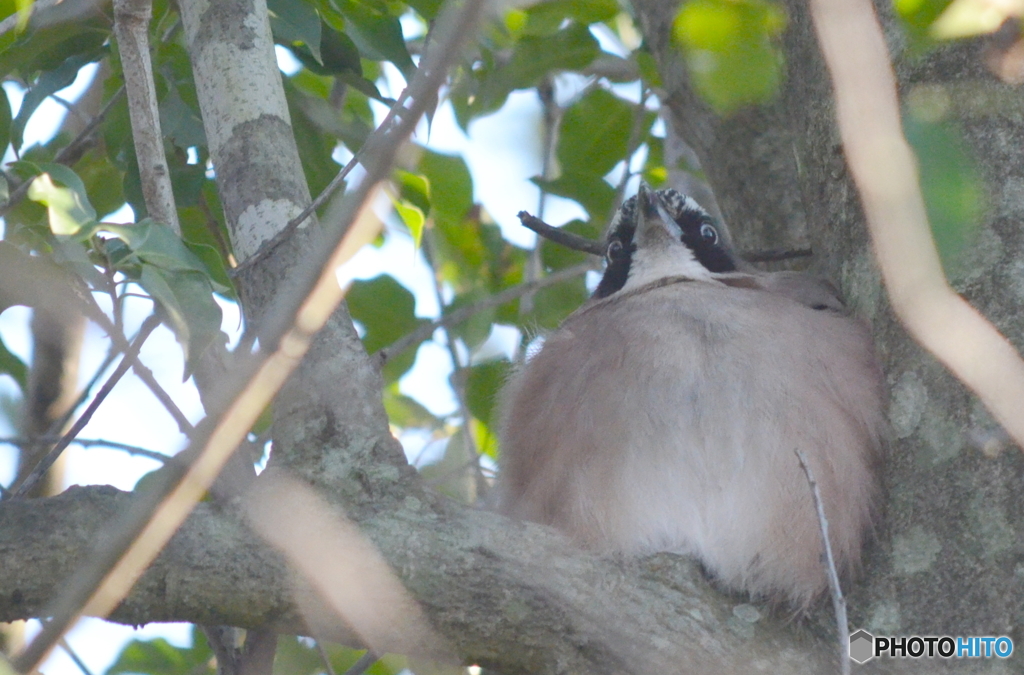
{"points": [[485, 583]]}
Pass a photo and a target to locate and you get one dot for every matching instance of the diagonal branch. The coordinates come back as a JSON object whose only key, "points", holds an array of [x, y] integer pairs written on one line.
{"points": [[126, 362], [885, 171]]}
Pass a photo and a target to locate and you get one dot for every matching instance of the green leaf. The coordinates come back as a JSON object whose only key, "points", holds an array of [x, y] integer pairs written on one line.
{"points": [[294, 22], [214, 265], [731, 51], [68, 208], [547, 17], [477, 328], [72, 255], [951, 183], [552, 304], [179, 122], [414, 189], [483, 383], [385, 308], [534, 57], [45, 48], [156, 244], [590, 190], [178, 280], [376, 33], [5, 120], [159, 657], [102, 181], [338, 54], [413, 219], [315, 147], [485, 438], [594, 133], [186, 299], [406, 412], [655, 172], [917, 17], [47, 84], [450, 183], [295, 658], [648, 68], [428, 9], [13, 366]]}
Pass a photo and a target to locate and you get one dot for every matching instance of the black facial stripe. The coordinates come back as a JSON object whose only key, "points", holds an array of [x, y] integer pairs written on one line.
{"points": [[715, 257], [616, 271]]}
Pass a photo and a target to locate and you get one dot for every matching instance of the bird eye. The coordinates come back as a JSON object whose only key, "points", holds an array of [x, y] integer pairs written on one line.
{"points": [[709, 234], [614, 249]]}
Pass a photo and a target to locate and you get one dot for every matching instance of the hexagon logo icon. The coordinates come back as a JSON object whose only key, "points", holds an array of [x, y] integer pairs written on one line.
{"points": [[862, 646]]}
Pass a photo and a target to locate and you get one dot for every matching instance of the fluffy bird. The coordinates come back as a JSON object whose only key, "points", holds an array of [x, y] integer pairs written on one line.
{"points": [[664, 414]]}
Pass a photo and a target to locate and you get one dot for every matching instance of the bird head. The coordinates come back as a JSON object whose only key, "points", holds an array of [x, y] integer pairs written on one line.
{"points": [[658, 234]]}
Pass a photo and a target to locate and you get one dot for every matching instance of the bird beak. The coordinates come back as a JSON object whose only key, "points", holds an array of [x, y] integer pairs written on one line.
{"points": [[653, 220]]}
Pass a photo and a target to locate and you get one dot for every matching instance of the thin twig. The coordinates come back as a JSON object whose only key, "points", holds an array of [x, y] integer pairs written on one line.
{"points": [[776, 254], [325, 658], [838, 601], [116, 336], [560, 236], [464, 313], [363, 664], [75, 657], [458, 379], [126, 362], [90, 443], [301, 308]]}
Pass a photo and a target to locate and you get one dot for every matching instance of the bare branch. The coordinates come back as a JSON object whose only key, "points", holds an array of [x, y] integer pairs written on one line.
{"points": [[46, 462], [884, 169], [363, 664], [75, 657], [131, 26], [325, 658], [560, 236], [90, 443], [838, 601], [776, 254]]}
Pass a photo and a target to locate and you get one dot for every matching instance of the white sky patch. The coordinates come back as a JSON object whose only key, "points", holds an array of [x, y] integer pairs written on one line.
{"points": [[50, 114], [91, 639]]}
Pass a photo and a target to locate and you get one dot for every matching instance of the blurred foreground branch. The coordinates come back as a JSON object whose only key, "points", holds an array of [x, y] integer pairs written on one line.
{"points": [[885, 171]]}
